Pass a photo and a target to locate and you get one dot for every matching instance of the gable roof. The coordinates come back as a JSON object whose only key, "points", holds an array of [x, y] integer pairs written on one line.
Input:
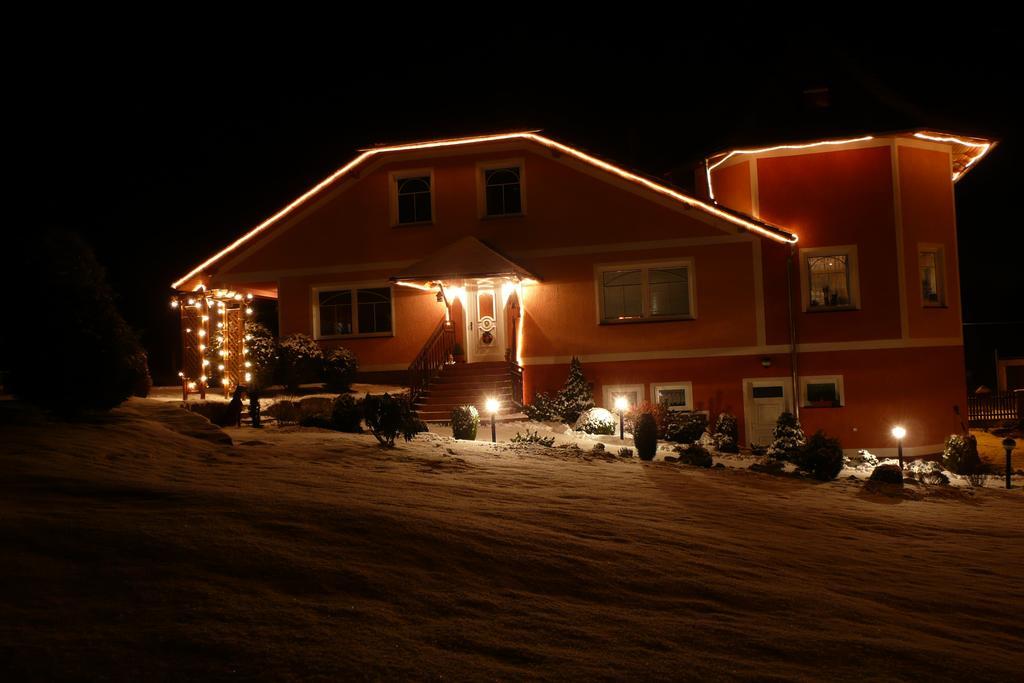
{"points": [[740, 220], [467, 257]]}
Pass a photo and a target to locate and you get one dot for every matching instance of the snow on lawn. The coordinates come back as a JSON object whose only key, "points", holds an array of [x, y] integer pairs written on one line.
{"points": [[137, 546]]}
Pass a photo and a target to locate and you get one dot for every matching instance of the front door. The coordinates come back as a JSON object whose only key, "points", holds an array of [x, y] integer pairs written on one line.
{"points": [[484, 323], [763, 401]]}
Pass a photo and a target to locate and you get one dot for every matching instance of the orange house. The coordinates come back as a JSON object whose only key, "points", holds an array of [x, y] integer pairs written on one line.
{"points": [[819, 278]]}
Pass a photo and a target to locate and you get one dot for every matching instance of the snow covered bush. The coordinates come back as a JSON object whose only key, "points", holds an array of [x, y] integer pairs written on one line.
{"points": [[787, 438], [340, 369], [727, 434], [862, 459], [625, 452], [821, 457], [389, 416], [887, 474], [542, 409], [346, 414], [576, 394], [960, 455], [686, 427], [465, 420], [695, 454], [300, 361], [285, 412], [596, 421], [68, 350], [645, 437], [262, 353], [533, 438]]}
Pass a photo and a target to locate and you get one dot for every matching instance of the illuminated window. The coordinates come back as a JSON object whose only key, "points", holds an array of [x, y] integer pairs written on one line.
{"points": [[414, 204], [663, 291], [829, 277], [352, 312], [932, 269], [822, 391], [676, 396], [503, 191]]}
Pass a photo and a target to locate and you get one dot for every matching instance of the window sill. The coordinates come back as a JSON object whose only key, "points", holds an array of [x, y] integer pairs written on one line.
{"points": [[636, 321], [412, 225], [372, 335], [817, 406], [934, 305], [830, 309], [499, 216]]}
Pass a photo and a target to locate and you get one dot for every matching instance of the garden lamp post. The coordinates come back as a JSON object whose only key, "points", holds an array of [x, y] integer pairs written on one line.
{"points": [[492, 406], [898, 433], [1008, 444], [621, 406]]}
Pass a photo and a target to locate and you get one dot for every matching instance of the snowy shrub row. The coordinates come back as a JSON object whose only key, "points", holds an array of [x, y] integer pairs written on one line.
{"points": [[573, 399], [533, 438], [294, 360]]}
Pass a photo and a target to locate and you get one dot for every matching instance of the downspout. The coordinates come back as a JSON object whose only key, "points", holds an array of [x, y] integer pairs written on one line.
{"points": [[795, 375]]}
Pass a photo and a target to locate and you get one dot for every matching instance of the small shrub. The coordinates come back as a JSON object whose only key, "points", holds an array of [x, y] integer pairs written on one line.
{"points": [[465, 420], [285, 412], [598, 448], [533, 438], [346, 414], [596, 421], [727, 434], [389, 416], [660, 413], [887, 474], [645, 437], [300, 361], [315, 406], [542, 409], [686, 428], [787, 438], [821, 456], [960, 455], [576, 394], [262, 353], [625, 452], [695, 455], [340, 369]]}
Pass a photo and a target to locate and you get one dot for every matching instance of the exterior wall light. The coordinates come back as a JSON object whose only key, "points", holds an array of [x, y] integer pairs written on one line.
{"points": [[766, 362]]}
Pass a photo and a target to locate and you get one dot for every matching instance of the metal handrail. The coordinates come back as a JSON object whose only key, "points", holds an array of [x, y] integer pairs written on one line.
{"points": [[432, 357]]}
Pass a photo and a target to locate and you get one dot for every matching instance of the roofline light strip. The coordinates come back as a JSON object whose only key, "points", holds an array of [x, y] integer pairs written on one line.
{"points": [[529, 135], [984, 146], [708, 169]]}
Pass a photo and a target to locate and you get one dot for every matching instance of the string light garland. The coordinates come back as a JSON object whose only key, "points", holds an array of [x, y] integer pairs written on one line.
{"points": [[233, 369]]}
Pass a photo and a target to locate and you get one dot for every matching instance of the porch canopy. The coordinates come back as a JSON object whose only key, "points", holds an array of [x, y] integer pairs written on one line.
{"points": [[463, 259]]}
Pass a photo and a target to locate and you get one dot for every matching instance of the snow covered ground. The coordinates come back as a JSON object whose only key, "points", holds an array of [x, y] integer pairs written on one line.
{"points": [[142, 545]]}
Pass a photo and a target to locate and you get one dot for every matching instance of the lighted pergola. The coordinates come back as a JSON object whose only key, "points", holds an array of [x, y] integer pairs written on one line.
{"points": [[213, 340]]}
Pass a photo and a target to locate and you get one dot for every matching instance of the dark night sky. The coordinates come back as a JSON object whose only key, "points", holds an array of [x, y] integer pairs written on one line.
{"points": [[160, 149]]}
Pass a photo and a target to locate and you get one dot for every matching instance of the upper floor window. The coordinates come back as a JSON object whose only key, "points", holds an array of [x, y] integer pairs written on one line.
{"points": [[503, 191], [932, 269], [355, 311], [648, 292], [414, 201], [830, 278]]}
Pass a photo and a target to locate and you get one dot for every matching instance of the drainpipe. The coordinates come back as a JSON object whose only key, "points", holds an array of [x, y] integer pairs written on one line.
{"points": [[792, 332]]}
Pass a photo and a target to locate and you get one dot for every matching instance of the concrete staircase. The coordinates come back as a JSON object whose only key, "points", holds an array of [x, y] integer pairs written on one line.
{"points": [[466, 384]]}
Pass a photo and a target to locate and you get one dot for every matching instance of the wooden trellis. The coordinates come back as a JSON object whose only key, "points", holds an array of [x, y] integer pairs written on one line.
{"points": [[213, 340]]}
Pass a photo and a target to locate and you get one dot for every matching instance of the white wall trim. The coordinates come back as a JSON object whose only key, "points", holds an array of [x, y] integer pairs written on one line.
{"points": [[714, 352], [891, 451]]}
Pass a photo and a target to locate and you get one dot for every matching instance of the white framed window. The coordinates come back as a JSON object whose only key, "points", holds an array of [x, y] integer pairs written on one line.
{"points": [[362, 310], [822, 391], [501, 188], [932, 271], [829, 278], [677, 396], [646, 291], [634, 393], [412, 196]]}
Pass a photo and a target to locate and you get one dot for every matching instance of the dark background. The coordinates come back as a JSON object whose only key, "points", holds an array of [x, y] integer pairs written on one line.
{"points": [[162, 147]]}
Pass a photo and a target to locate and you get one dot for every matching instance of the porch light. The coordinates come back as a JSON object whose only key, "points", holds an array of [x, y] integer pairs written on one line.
{"points": [[492, 405], [898, 433], [622, 407]]}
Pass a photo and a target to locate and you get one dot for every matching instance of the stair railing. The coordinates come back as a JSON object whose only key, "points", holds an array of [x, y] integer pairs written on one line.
{"points": [[515, 371], [432, 358]]}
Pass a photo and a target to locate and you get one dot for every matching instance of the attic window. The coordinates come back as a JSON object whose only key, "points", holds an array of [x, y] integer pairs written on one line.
{"points": [[414, 201], [503, 190]]}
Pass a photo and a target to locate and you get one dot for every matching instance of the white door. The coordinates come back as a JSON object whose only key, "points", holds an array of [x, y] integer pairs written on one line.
{"points": [[763, 401], [484, 325]]}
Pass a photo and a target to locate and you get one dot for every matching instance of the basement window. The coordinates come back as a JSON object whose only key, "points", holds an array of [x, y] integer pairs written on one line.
{"points": [[824, 391]]}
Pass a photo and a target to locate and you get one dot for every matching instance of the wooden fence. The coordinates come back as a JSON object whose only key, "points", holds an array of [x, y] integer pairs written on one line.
{"points": [[986, 410]]}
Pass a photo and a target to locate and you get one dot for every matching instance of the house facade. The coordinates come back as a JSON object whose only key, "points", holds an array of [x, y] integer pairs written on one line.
{"points": [[818, 277]]}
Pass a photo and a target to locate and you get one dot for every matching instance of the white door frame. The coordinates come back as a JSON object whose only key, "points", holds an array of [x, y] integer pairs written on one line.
{"points": [[748, 401]]}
